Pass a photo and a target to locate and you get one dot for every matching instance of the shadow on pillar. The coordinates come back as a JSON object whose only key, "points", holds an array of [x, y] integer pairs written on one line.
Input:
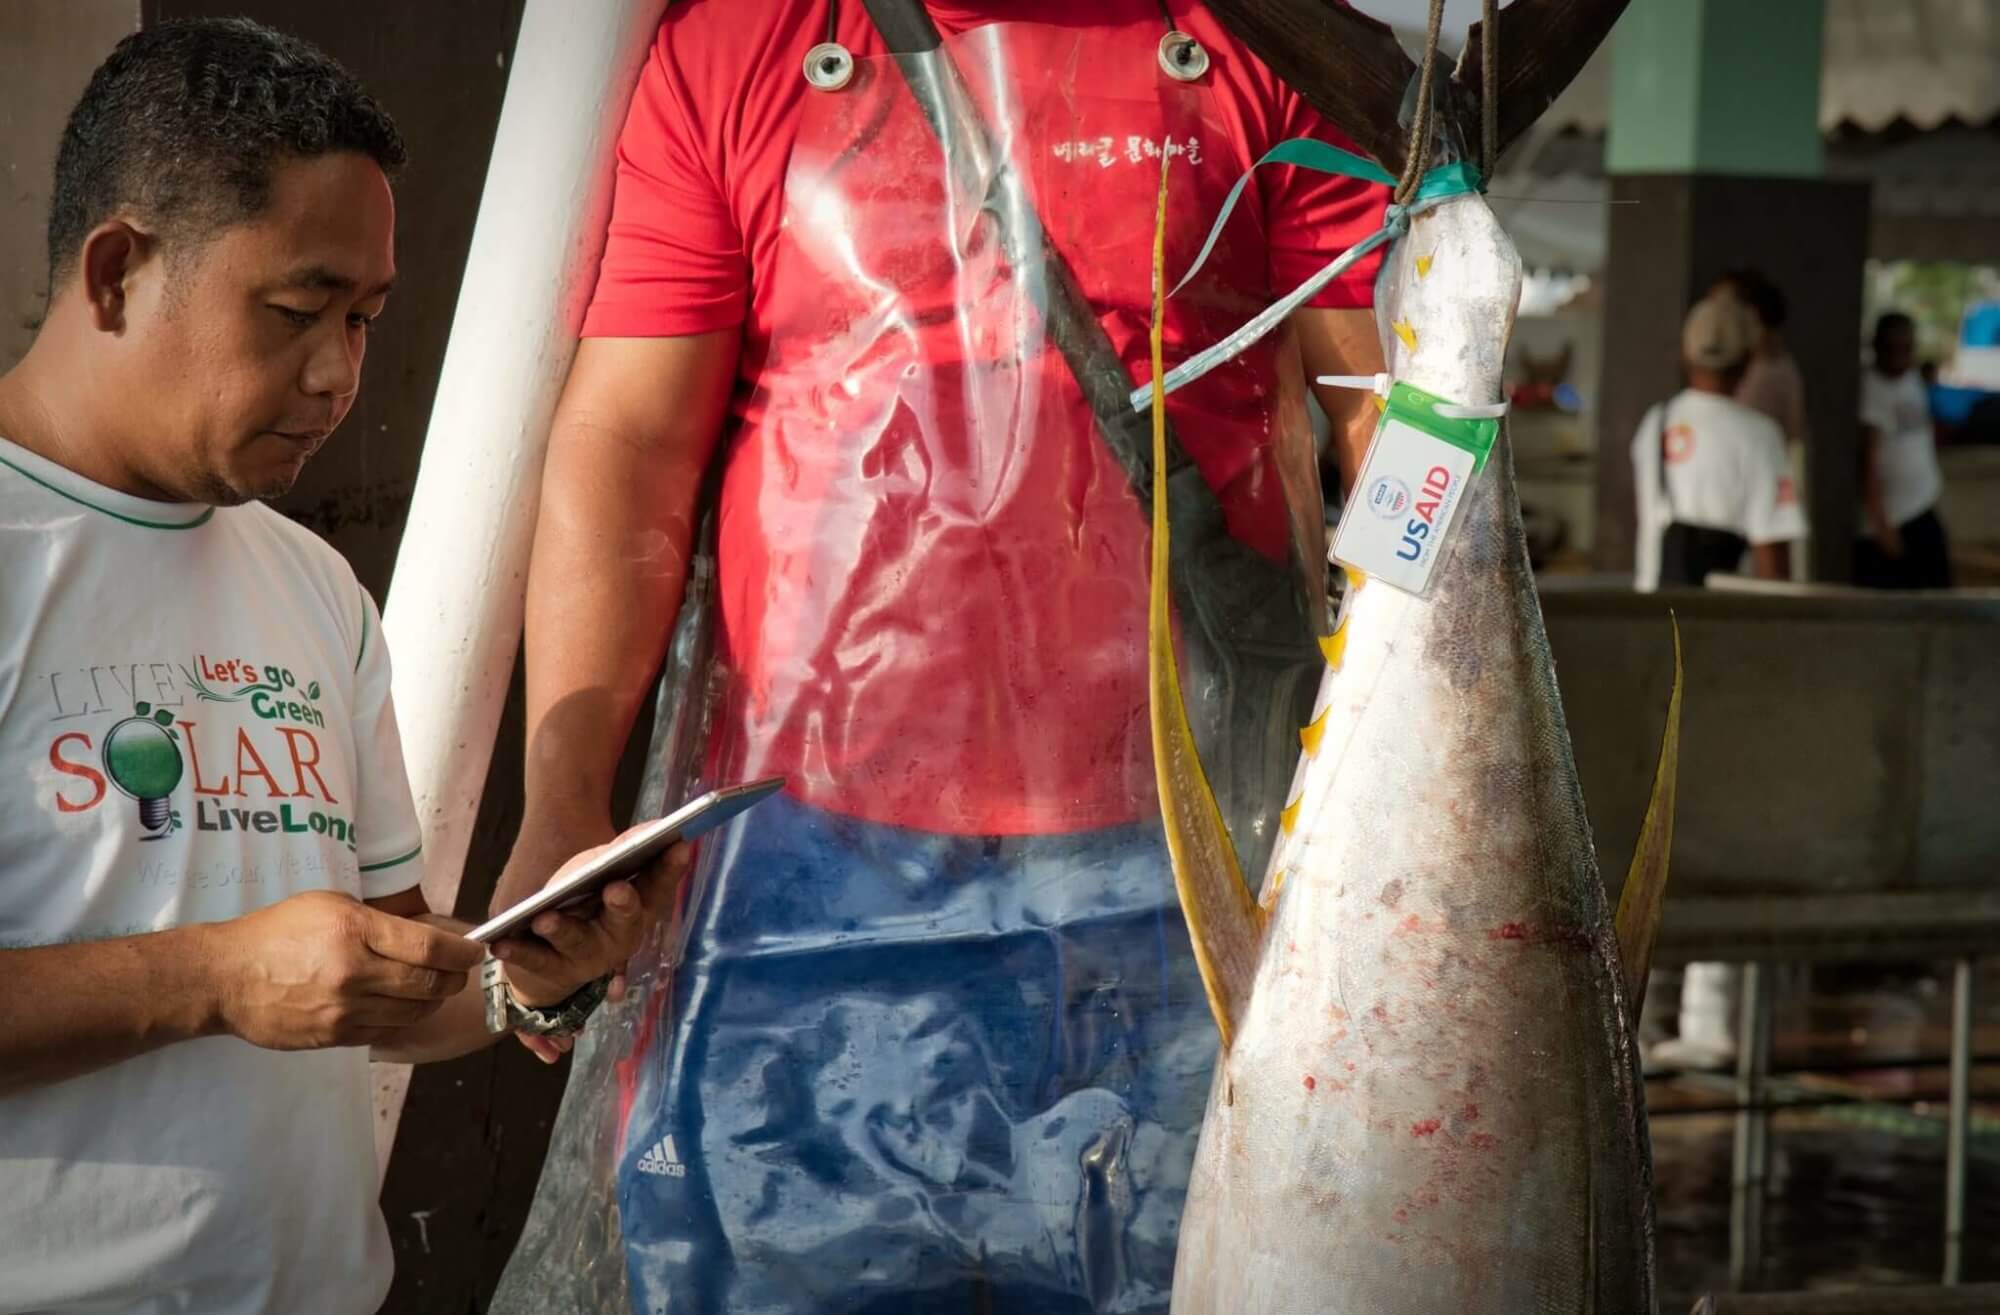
{"points": [[1670, 236]]}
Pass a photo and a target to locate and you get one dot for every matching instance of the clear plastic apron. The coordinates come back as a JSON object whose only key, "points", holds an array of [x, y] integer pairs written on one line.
{"points": [[933, 1038]]}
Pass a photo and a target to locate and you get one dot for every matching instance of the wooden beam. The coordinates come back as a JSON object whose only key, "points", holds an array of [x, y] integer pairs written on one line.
{"points": [[1347, 66], [1544, 44], [1352, 70]]}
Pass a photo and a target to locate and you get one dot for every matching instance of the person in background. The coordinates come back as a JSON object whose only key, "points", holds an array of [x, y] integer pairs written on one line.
{"points": [[1712, 479], [1710, 474], [1902, 543], [1771, 382]]}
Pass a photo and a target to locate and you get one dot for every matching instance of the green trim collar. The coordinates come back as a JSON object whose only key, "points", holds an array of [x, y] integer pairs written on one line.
{"points": [[81, 501]]}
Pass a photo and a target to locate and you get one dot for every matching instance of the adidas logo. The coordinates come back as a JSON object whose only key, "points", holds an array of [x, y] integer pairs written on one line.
{"points": [[662, 1159]]}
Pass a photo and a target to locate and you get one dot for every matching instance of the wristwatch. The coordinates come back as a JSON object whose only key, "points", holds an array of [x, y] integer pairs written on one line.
{"points": [[506, 1014]]}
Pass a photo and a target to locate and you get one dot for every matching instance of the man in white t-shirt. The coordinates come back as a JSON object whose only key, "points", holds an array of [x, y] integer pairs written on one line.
{"points": [[1712, 480], [209, 858], [1902, 543], [1710, 474]]}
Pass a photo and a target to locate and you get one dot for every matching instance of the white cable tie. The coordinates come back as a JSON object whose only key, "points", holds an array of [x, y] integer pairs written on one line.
{"points": [[1377, 384]]}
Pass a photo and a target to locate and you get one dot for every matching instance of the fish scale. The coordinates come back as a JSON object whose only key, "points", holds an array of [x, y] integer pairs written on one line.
{"points": [[1429, 1099]]}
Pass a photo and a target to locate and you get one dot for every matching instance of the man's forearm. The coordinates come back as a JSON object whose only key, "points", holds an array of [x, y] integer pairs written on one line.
{"points": [[1342, 342], [1872, 501], [75, 1008]]}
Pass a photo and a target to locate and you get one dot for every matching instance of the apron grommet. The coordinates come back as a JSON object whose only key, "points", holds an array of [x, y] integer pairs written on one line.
{"points": [[829, 66], [1182, 57]]}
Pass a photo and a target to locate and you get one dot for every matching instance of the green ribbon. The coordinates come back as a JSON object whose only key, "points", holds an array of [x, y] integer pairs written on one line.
{"points": [[1435, 188], [1440, 184]]}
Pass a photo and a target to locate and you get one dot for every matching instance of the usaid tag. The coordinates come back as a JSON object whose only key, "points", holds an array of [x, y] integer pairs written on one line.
{"points": [[1397, 524]]}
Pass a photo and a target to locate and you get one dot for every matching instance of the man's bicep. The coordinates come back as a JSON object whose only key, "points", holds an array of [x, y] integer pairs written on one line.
{"points": [[636, 427], [661, 400]]}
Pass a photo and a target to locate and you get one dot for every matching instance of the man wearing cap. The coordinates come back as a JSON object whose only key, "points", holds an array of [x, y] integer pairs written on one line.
{"points": [[1712, 479], [1710, 473]]}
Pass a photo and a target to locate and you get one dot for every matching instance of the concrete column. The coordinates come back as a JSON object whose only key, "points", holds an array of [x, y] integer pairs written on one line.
{"points": [[1714, 86], [1714, 149]]}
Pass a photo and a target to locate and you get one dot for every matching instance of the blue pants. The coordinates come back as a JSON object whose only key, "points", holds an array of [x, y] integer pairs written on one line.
{"points": [[911, 1073]]}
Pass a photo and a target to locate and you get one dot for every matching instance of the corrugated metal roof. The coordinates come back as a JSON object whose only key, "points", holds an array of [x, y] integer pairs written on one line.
{"points": [[1922, 62], [1926, 62]]}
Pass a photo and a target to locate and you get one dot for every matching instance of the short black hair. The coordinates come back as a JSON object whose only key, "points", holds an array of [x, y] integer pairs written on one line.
{"points": [[1890, 320], [184, 121], [1761, 295]]}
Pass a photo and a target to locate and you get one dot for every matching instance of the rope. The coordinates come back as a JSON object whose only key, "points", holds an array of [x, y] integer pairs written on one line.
{"points": [[1489, 85], [1420, 122]]}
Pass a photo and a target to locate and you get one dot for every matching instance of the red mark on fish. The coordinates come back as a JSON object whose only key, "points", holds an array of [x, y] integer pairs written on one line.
{"points": [[1425, 1127], [1310, 1083]]}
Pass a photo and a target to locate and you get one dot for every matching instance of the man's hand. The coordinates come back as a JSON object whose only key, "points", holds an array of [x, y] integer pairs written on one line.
{"points": [[321, 969], [1889, 539], [571, 949]]}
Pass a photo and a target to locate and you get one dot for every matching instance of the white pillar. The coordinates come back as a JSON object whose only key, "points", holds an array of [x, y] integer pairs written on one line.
{"points": [[456, 600]]}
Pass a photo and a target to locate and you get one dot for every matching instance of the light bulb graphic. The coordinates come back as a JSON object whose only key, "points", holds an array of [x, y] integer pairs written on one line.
{"points": [[142, 759]]}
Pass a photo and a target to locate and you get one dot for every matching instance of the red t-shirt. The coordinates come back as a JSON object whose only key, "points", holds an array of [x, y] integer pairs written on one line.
{"points": [[940, 669]]}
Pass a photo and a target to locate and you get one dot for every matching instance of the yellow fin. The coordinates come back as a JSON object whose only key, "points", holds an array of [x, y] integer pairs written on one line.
{"points": [[1406, 333], [1334, 646], [1224, 923], [1272, 885], [1310, 736], [1640, 902], [1381, 404], [1423, 267], [1288, 816]]}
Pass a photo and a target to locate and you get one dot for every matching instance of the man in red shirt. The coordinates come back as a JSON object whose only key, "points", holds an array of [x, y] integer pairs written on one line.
{"points": [[936, 1035]]}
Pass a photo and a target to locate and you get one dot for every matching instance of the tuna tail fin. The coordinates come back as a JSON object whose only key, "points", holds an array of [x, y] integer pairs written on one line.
{"points": [[1639, 904], [1223, 921]]}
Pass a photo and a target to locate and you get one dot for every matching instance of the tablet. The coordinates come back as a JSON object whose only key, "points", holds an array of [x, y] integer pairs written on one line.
{"points": [[631, 854]]}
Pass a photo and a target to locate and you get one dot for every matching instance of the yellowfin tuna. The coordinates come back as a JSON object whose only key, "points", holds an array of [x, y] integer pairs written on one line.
{"points": [[1429, 1097]]}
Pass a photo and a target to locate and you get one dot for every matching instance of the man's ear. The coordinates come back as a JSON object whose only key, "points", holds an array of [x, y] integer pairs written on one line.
{"points": [[112, 254]]}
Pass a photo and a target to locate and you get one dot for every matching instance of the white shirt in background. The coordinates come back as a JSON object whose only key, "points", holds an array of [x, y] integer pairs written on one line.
{"points": [[1727, 469], [195, 723], [1900, 409]]}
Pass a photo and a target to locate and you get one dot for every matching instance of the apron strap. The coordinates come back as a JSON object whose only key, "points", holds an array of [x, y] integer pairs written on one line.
{"points": [[906, 28]]}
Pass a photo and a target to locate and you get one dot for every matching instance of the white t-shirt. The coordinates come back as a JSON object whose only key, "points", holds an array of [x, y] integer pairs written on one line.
{"points": [[1726, 469], [207, 1176], [1901, 409]]}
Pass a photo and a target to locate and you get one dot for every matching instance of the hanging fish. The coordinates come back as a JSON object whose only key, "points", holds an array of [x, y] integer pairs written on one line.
{"points": [[1429, 1098]]}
